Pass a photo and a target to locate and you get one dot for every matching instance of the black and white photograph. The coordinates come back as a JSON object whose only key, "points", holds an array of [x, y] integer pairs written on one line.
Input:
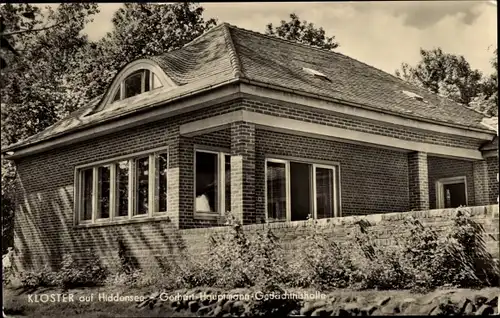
{"points": [[249, 159]]}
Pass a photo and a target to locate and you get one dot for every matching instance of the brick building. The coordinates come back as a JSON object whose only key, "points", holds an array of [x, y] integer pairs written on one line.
{"points": [[270, 130]]}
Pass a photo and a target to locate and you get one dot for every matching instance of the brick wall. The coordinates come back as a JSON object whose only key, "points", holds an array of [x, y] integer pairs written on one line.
{"points": [[492, 169], [372, 181], [418, 175], [349, 122], [243, 141]]}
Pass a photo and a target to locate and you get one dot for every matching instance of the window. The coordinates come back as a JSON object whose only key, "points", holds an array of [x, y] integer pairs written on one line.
{"points": [[123, 189], [299, 190], [451, 192], [212, 182], [138, 82]]}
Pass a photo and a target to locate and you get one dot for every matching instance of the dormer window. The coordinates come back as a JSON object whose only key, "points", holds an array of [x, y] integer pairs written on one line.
{"points": [[138, 77], [138, 82]]}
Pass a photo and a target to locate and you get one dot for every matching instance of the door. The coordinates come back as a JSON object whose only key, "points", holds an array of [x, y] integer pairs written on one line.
{"points": [[454, 195], [451, 192]]}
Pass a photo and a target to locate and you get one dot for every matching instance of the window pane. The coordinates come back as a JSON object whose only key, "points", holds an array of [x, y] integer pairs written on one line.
{"points": [[87, 179], [162, 182], [103, 175], [227, 164], [276, 190], [147, 86], [122, 176], [142, 184], [117, 96], [133, 84], [156, 82], [324, 193], [206, 182]]}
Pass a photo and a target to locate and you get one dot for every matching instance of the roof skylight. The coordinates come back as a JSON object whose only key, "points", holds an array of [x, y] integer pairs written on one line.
{"points": [[314, 72], [413, 95]]}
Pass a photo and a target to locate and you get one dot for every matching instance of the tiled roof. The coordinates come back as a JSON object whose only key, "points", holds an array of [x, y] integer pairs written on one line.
{"points": [[228, 53]]}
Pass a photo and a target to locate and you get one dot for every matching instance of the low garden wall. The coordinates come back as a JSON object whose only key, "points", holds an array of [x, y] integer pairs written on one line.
{"points": [[386, 227], [150, 242]]}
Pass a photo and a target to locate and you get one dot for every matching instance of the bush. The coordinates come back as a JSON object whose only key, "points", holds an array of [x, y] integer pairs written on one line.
{"points": [[76, 274], [384, 268], [322, 263], [427, 259], [273, 306], [236, 259], [71, 274], [40, 278]]}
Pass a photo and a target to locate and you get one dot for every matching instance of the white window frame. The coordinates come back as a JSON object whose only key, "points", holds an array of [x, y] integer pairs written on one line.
{"points": [[156, 194], [132, 188], [337, 208], [221, 182], [95, 194], [440, 189], [288, 206], [152, 76], [336, 195]]}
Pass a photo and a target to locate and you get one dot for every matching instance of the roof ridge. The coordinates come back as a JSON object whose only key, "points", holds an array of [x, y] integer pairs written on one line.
{"points": [[317, 49], [280, 39], [233, 56], [199, 36]]}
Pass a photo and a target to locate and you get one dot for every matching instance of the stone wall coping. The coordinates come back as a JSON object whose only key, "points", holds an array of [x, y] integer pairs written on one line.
{"points": [[488, 211]]}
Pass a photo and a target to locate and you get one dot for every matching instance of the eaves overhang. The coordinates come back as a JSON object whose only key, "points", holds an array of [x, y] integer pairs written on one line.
{"points": [[237, 87]]}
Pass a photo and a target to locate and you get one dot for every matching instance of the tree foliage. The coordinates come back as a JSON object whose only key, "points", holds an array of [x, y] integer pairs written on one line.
{"points": [[487, 100], [452, 76], [302, 32], [35, 88], [53, 69]]}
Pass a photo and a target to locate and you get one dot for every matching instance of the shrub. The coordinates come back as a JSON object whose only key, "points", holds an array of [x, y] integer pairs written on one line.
{"points": [[323, 263], [236, 259], [76, 274], [385, 268], [38, 278], [468, 260], [229, 254], [426, 258], [270, 306]]}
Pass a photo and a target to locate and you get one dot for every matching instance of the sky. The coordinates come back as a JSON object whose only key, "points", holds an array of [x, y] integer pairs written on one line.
{"points": [[381, 34]]}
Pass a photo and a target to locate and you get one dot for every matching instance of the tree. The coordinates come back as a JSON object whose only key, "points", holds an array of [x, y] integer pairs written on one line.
{"points": [[35, 90], [58, 69], [487, 100], [21, 19], [442, 73], [302, 32]]}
